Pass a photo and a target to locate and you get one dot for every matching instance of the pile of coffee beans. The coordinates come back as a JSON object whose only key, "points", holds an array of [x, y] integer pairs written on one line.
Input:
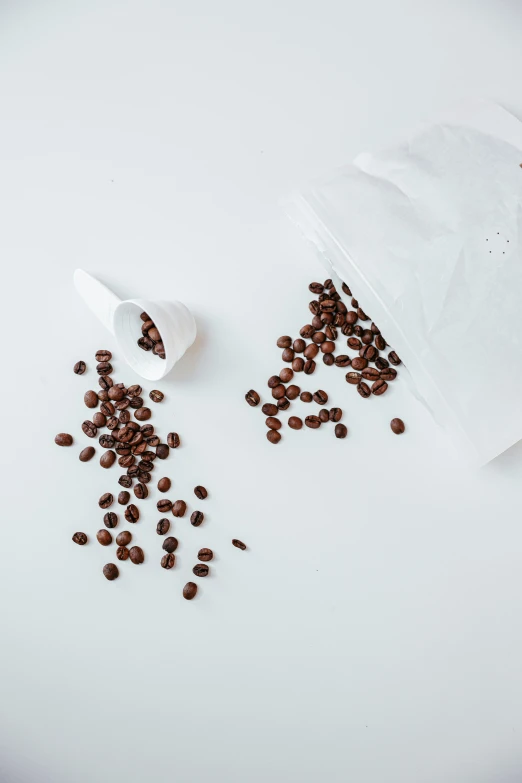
{"points": [[136, 446], [151, 338], [368, 365]]}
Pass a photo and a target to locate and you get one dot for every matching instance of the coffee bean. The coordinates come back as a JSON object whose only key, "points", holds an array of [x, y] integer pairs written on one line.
{"points": [[105, 382], [362, 315], [355, 303], [170, 544], [284, 342], [354, 343], [342, 361], [358, 331], [286, 375], [380, 342], [328, 359], [328, 346], [106, 500], [103, 356], [293, 392], [148, 324], [136, 555], [369, 352], [110, 572], [298, 364], [307, 331], [347, 330], [90, 398], [318, 338], [239, 544], [164, 505], [168, 561], [122, 553], [328, 305], [87, 454], [309, 366], [283, 404], [104, 537], [359, 363], [99, 420], [106, 442], [162, 451], [124, 417], [331, 334], [311, 351], [371, 374], [393, 358], [288, 355], [317, 323], [125, 481], [388, 374], [346, 290], [314, 422], [269, 409], [126, 434], [299, 345], [336, 414], [173, 437], [381, 363], [316, 288], [64, 439], [122, 405], [164, 484], [127, 461], [321, 397], [278, 391], [306, 397], [200, 569], [108, 459], [274, 381], [144, 477], [110, 519], [351, 317], [178, 508], [137, 437], [132, 513], [107, 408], [80, 367], [81, 538], [252, 397], [124, 538], [142, 414], [367, 337], [116, 394], [136, 402], [379, 387], [273, 436], [141, 491], [324, 415], [154, 334], [189, 591], [340, 431], [339, 320], [156, 396], [145, 344], [313, 306], [397, 426], [104, 368], [123, 498], [145, 466], [363, 389], [353, 378], [162, 527], [103, 395], [295, 423], [205, 555], [273, 423]]}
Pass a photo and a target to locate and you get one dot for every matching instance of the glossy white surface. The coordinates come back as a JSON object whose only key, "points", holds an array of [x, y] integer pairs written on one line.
{"points": [[372, 632]]}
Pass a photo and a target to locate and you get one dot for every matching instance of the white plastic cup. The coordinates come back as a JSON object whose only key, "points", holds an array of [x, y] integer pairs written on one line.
{"points": [[173, 320]]}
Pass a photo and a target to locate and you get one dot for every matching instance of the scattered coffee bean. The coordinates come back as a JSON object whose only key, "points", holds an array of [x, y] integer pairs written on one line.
{"points": [[170, 544], [163, 526], [379, 387], [314, 306], [200, 569], [110, 572], [86, 454], [99, 420], [142, 414], [168, 561], [124, 538], [362, 315], [197, 516], [367, 337], [162, 451], [342, 361], [288, 355], [105, 382], [273, 423], [359, 363], [311, 351], [299, 345], [381, 363], [336, 414], [354, 343], [380, 342], [274, 381], [107, 441], [80, 367], [132, 513], [286, 375], [123, 498], [324, 415], [309, 366], [164, 484], [340, 431], [164, 505], [358, 330], [298, 365], [307, 331], [369, 352], [80, 538], [189, 591], [397, 426], [141, 491], [108, 459], [115, 394], [314, 422], [320, 397], [273, 436], [110, 519], [90, 398], [278, 391], [122, 553], [106, 500], [156, 396], [353, 378], [136, 402], [293, 392], [328, 346], [388, 374], [103, 356], [239, 544], [252, 397], [103, 395], [306, 397], [205, 555], [179, 508], [125, 481], [108, 409], [173, 437], [393, 358], [64, 439], [104, 368], [283, 404], [269, 409], [136, 555], [316, 288], [295, 423], [364, 389], [371, 374], [284, 342], [331, 334], [104, 537]]}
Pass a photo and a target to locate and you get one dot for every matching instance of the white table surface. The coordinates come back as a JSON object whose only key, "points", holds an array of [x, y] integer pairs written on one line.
{"points": [[372, 632]]}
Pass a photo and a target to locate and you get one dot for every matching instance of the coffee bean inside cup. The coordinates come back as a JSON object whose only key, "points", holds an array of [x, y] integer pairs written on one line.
{"points": [[150, 339]]}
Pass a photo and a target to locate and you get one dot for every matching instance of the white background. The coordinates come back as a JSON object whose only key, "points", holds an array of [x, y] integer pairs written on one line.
{"points": [[372, 631]]}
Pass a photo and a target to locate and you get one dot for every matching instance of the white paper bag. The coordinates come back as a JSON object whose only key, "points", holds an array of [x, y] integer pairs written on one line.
{"points": [[428, 236]]}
